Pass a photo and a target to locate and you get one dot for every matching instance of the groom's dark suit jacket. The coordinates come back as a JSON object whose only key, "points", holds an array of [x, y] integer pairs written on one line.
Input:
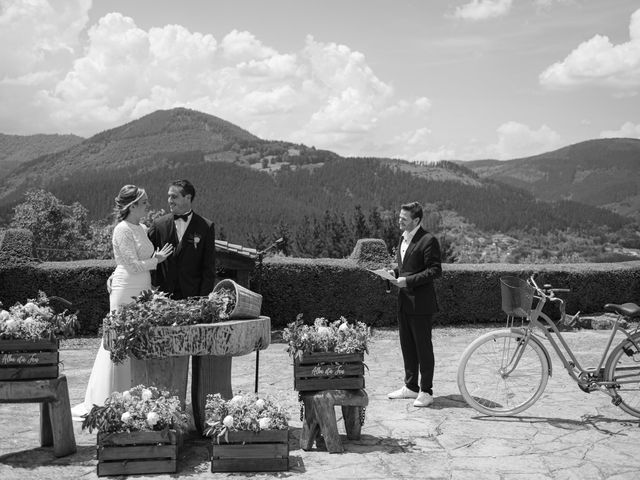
{"points": [[421, 266], [190, 270]]}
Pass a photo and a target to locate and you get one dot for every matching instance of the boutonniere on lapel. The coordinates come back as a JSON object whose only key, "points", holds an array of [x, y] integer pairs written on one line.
{"points": [[196, 241]]}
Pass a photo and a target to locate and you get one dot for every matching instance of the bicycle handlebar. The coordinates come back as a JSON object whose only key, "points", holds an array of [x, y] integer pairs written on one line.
{"points": [[546, 291]]}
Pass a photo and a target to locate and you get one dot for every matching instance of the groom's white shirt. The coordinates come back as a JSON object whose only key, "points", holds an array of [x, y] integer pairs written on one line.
{"points": [[181, 226]]}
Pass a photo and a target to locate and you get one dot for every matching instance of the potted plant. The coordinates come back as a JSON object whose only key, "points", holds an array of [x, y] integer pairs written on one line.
{"points": [[139, 431], [250, 434], [327, 355], [29, 339]]}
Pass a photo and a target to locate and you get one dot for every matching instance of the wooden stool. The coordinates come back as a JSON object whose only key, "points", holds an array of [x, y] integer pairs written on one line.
{"points": [[320, 416], [56, 426]]}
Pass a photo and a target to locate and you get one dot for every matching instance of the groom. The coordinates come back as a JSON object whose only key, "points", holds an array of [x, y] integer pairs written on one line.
{"points": [[191, 270]]}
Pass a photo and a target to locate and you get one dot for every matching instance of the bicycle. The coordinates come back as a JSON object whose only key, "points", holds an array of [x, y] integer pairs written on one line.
{"points": [[504, 372]]}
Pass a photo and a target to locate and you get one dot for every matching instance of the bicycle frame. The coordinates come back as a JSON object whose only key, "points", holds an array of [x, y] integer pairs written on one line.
{"points": [[589, 379]]}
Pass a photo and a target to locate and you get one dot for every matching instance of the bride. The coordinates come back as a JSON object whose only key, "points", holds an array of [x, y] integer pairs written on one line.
{"points": [[135, 258]]}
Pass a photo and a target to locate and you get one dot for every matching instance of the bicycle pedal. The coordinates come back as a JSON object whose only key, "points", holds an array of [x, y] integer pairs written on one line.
{"points": [[585, 388]]}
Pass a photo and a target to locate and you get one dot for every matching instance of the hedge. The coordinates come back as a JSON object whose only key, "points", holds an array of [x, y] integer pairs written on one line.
{"points": [[468, 294]]}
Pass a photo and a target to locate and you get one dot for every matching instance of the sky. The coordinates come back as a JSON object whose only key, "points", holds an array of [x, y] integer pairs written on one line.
{"points": [[413, 79]]}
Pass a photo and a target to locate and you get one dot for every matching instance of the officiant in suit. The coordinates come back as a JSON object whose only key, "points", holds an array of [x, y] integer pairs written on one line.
{"points": [[190, 271], [419, 265]]}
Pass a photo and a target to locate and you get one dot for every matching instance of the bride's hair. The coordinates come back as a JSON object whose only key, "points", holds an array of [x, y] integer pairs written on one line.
{"points": [[128, 196]]}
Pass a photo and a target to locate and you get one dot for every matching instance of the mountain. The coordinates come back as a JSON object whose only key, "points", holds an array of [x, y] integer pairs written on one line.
{"points": [[253, 188], [17, 149], [603, 173]]}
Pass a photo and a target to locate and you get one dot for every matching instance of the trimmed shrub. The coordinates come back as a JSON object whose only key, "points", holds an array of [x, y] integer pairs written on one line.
{"points": [[467, 294], [371, 253], [17, 246]]}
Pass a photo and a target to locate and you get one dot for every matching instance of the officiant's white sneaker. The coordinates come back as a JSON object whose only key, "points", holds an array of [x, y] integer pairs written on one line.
{"points": [[404, 392], [423, 400]]}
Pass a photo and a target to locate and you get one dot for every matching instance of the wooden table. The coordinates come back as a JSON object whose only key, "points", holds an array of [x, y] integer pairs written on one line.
{"points": [[211, 346]]}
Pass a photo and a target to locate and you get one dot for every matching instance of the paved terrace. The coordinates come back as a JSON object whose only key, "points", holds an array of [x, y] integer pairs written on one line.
{"points": [[566, 435]]}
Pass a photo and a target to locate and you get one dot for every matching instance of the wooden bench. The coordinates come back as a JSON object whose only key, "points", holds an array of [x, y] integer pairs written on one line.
{"points": [[320, 417], [56, 426]]}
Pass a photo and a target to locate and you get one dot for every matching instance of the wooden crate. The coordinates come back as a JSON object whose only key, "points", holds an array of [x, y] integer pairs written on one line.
{"points": [[137, 452], [328, 371], [264, 451], [28, 359]]}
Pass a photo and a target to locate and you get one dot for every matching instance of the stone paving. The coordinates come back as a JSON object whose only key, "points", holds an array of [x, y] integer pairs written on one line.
{"points": [[567, 435]]}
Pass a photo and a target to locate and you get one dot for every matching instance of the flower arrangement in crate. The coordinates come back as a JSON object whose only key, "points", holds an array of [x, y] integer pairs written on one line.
{"points": [[139, 431], [36, 320], [250, 433], [327, 355], [128, 328], [29, 336], [138, 409]]}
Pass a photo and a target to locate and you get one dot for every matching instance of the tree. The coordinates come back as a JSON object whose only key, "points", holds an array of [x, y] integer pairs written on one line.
{"points": [[61, 232], [360, 224]]}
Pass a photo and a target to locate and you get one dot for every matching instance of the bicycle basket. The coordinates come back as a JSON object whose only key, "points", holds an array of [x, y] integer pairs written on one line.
{"points": [[517, 296]]}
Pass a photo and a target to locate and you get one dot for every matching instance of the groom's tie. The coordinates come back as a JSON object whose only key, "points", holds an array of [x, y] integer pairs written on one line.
{"points": [[184, 217]]}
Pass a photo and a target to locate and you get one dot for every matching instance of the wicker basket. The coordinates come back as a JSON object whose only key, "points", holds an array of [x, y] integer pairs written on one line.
{"points": [[248, 303], [517, 297]]}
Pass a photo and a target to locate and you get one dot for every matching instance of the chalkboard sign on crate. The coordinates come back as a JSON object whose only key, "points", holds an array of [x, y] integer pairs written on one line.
{"points": [[134, 453], [28, 359], [263, 451], [328, 371]]}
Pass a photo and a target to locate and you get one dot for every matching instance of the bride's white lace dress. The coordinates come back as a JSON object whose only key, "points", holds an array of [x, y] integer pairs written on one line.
{"points": [[133, 253]]}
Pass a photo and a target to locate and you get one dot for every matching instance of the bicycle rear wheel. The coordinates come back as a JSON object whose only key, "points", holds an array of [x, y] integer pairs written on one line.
{"points": [[623, 369], [501, 375]]}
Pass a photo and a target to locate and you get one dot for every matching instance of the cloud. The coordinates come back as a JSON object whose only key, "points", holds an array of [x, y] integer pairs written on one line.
{"points": [[36, 33], [597, 61], [478, 10], [518, 140], [323, 93], [627, 130]]}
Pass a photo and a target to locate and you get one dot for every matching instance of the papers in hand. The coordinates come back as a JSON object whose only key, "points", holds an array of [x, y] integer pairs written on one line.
{"points": [[381, 272]]}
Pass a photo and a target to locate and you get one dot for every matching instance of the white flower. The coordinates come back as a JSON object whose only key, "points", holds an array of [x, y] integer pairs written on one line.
{"points": [[152, 418], [228, 421], [324, 331], [32, 308], [260, 404], [264, 423], [344, 327], [29, 321], [236, 399], [126, 396], [126, 417], [4, 315], [146, 394], [11, 324]]}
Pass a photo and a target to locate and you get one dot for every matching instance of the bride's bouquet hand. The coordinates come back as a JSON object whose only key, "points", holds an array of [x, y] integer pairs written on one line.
{"points": [[164, 252]]}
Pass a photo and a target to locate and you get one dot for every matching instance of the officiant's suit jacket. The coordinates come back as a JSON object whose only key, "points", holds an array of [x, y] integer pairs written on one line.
{"points": [[190, 270], [421, 266]]}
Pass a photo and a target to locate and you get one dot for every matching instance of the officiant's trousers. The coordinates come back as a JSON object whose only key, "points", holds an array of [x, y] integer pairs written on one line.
{"points": [[417, 351]]}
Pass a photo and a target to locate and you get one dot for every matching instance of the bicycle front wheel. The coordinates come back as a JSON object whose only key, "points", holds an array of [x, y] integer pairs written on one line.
{"points": [[623, 372], [500, 374]]}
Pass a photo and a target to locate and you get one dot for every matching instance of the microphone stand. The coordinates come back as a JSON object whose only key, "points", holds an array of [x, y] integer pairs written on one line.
{"points": [[275, 245]]}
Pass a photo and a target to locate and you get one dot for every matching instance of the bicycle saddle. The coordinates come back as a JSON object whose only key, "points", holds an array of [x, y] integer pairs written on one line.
{"points": [[629, 310]]}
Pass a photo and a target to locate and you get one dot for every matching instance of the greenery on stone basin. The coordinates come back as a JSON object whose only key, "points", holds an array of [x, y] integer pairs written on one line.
{"points": [[130, 324]]}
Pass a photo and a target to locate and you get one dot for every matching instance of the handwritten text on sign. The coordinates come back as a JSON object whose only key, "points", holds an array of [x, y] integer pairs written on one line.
{"points": [[19, 359], [328, 370]]}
